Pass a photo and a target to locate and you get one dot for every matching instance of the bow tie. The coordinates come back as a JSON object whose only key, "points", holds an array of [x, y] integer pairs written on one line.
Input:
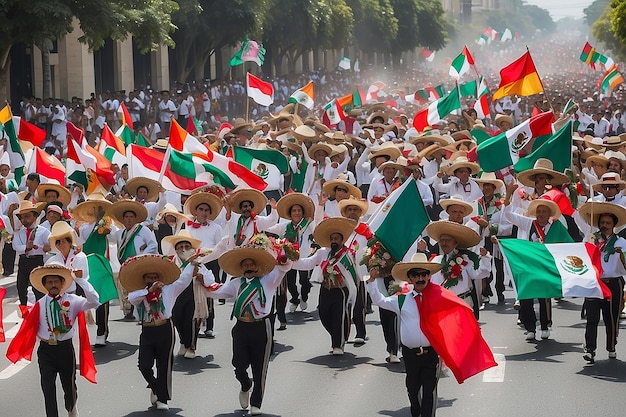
{"points": [[196, 225]]}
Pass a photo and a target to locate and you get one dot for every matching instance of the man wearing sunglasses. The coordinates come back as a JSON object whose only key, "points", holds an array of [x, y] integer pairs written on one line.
{"points": [[610, 189]]}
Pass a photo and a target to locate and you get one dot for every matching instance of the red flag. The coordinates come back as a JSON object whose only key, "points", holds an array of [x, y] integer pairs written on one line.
{"points": [[520, 77], [75, 132], [452, 330], [561, 200], [191, 126], [47, 166], [3, 292], [260, 91], [23, 343], [30, 133], [87, 363], [127, 120]]}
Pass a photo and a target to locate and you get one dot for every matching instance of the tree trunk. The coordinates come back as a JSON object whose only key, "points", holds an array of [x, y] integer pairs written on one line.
{"points": [[46, 47]]}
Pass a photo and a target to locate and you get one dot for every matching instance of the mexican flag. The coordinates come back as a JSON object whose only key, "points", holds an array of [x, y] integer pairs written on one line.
{"points": [[461, 64], [373, 90], [389, 223], [182, 141], [268, 164], [352, 101], [304, 96], [558, 269], [437, 110], [13, 148], [507, 35], [482, 40], [333, 112], [91, 160], [260, 91], [126, 134], [468, 89], [430, 93], [28, 131], [504, 149], [482, 104], [557, 148], [112, 147], [101, 277], [46, 166]]}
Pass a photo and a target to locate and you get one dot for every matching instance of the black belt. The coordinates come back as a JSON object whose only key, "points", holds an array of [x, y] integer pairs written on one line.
{"points": [[57, 342], [419, 351]]}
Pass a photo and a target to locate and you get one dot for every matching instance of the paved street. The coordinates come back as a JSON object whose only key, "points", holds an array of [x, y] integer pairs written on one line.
{"points": [[542, 378]]}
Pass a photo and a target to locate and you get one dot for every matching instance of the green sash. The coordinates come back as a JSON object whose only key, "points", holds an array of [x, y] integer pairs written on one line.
{"points": [[246, 294], [127, 249]]}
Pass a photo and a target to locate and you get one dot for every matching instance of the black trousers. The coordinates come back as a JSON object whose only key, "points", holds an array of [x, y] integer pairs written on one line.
{"points": [[8, 259], [389, 324], [334, 314], [281, 301], [358, 311], [422, 376], [182, 316], [102, 320], [57, 359], [252, 344], [305, 286], [528, 316], [610, 310], [156, 344], [214, 267], [24, 267]]}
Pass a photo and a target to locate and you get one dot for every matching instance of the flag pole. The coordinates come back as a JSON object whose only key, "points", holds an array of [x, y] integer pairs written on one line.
{"points": [[247, 98], [166, 158], [545, 94]]}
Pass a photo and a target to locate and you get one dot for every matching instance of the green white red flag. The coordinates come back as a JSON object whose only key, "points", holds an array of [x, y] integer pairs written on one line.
{"points": [[437, 110], [461, 64], [269, 164], [333, 113], [559, 269], [304, 96]]}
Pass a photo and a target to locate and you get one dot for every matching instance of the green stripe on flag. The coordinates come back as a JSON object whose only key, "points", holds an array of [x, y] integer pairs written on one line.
{"points": [[543, 280], [101, 277], [558, 149], [109, 153], [182, 164], [468, 89], [245, 156]]}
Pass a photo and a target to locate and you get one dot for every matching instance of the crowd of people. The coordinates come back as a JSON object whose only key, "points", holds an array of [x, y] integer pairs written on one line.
{"points": [[168, 257]]}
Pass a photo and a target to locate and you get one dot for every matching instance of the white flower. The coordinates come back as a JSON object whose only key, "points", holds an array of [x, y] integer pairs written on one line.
{"points": [[459, 260]]}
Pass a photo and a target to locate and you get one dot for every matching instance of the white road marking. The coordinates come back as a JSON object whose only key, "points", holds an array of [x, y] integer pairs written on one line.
{"points": [[13, 369], [496, 374]]}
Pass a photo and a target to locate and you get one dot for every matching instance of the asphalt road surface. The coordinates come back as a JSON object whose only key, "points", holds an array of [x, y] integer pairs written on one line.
{"points": [[540, 378]]}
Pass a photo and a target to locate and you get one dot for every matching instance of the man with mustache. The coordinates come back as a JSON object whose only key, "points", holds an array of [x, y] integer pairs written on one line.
{"points": [[256, 278], [339, 277], [606, 217], [247, 203], [52, 320]]}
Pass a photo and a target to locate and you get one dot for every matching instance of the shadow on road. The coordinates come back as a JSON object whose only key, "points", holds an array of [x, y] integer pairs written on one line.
{"points": [[194, 366], [546, 351], [152, 411], [343, 362], [113, 351], [610, 370]]}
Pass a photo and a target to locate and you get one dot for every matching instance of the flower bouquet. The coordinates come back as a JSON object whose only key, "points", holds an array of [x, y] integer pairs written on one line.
{"points": [[452, 271], [103, 225], [377, 256], [286, 250], [399, 287]]}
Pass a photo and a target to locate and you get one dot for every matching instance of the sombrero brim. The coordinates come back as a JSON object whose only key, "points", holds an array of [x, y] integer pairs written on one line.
{"points": [[303, 135], [317, 146], [153, 187], [473, 167], [591, 211], [496, 183], [333, 225], [289, 200], [66, 231], [230, 261], [37, 208], [555, 211], [598, 186], [38, 273], [362, 204], [400, 269], [117, 210], [525, 177], [132, 271], [430, 138], [464, 236], [258, 199], [445, 203], [64, 194], [87, 211], [203, 198], [329, 188], [391, 152], [168, 243]]}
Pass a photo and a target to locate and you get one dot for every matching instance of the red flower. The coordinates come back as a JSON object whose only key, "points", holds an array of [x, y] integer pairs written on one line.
{"points": [[65, 304], [456, 271]]}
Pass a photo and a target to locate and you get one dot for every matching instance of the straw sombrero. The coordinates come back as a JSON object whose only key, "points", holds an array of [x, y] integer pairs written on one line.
{"points": [[542, 166], [132, 271], [153, 187], [592, 210], [456, 200], [230, 261], [418, 261], [501, 118], [38, 273], [171, 210], [117, 210], [248, 194], [168, 243], [213, 201], [61, 230], [599, 159], [27, 206], [426, 139], [64, 194], [340, 225], [609, 178], [489, 178], [329, 187], [89, 211], [462, 162], [359, 202], [289, 200], [240, 124], [555, 211], [161, 144], [464, 236], [387, 149], [317, 146]]}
